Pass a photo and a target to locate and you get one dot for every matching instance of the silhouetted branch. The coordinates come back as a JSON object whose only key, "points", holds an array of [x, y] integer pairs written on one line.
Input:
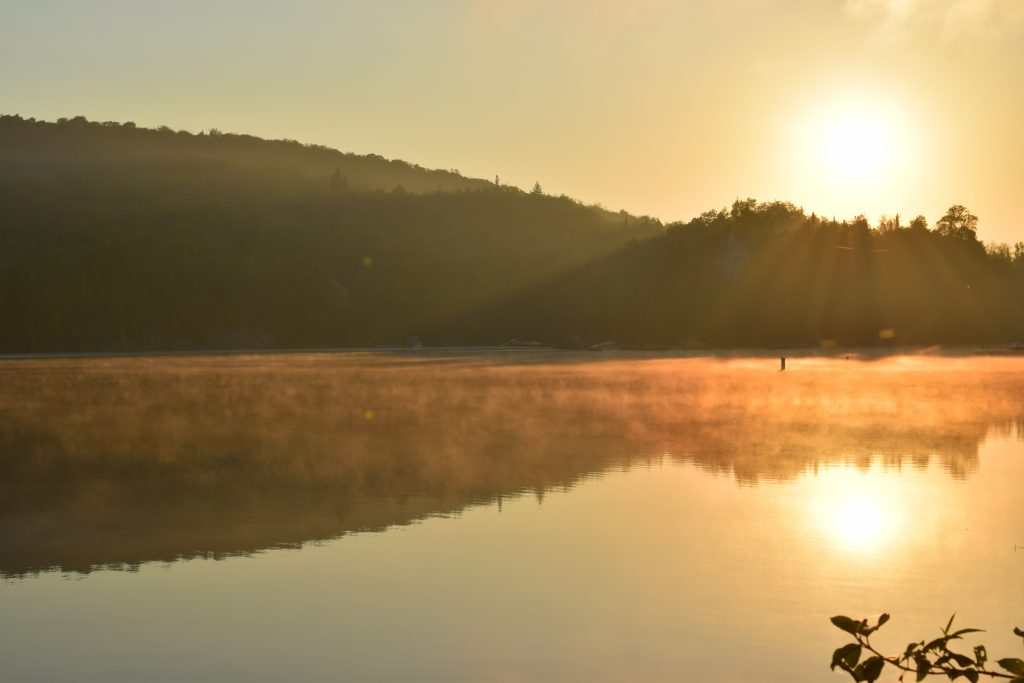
{"points": [[921, 658]]}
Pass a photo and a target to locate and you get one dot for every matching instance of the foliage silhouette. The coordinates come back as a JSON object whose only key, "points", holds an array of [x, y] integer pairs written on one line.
{"points": [[120, 238], [923, 659], [958, 222], [769, 274]]}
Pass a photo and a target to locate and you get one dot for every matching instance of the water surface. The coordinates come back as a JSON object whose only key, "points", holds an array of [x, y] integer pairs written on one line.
{"points": [[515, 517]]}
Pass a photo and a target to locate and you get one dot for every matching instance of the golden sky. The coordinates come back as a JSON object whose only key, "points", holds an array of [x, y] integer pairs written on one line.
{"points": [[663, 108]]}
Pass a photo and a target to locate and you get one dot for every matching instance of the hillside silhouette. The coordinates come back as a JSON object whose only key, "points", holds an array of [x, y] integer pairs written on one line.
{"points": [[49, 151], [767, 273], [114, 237], [119, 238]]}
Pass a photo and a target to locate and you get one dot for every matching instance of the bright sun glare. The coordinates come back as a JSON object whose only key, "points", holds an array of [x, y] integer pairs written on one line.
{"points": [[856, 146], [854, 510], [858, 521]]}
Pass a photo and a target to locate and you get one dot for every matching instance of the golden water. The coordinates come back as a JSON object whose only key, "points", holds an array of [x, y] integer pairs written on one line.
{"points": [[532, 516]]}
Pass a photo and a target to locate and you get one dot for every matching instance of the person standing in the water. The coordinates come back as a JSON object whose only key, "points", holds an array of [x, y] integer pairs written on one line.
{"points": [[782, 363]]}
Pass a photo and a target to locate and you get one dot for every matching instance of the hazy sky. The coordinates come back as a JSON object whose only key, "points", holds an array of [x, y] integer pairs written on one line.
{"points": [[664, 108]]}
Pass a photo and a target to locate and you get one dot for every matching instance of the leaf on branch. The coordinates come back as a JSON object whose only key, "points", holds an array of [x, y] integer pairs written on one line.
{"points": [[868, 630], [937, 643], [923, 666], [961, 660], [1013, 665], [846, 657], [847, 624], [949, 624], [966, 630], [869, 670]]}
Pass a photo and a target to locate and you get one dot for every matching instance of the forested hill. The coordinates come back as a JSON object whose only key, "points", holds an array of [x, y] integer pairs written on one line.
{"points": [[115, 238], [767, 273], [31, 147]]}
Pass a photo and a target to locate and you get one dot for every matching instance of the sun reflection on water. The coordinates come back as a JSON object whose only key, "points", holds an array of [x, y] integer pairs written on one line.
{"points": [[858, 522], [854, 510]]}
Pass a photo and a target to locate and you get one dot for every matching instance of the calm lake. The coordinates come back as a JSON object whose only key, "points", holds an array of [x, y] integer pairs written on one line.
{"points": [[533, 516]]}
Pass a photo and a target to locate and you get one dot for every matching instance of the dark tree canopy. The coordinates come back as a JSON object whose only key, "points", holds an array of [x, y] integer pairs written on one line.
{"points": [[118, 237], [768, 274], [114, 237], [958, 222]]}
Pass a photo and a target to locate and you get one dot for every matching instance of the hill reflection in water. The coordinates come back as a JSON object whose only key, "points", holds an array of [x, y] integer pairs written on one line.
{"points": [[116, 462]]}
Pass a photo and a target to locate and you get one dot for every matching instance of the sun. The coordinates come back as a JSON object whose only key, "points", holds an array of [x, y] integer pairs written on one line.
{"points": [[855, 152], [856, 146]]}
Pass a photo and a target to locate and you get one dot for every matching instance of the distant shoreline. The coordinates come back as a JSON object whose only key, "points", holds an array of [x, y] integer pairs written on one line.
{"points": [[854, 352]]}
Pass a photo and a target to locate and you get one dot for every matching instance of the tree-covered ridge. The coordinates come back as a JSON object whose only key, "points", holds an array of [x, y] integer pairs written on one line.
{"points": [[107, 243], [768, 273], [119, 238], [39, 148]]}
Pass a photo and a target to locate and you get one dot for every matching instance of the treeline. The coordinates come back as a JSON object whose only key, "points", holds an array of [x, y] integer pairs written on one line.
{"points": [[769, 274], [114, 237], [62, 149]]}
